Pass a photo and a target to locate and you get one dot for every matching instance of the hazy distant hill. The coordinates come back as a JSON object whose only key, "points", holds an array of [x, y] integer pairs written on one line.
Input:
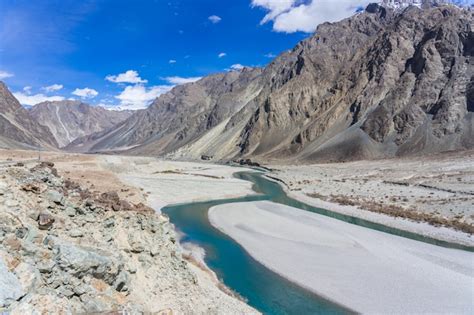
{"points": [[69, 120]]}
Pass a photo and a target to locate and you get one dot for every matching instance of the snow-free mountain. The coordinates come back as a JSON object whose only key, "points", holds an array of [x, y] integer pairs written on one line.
{"points": [[382, 83], [69, 120], [17, 128]]}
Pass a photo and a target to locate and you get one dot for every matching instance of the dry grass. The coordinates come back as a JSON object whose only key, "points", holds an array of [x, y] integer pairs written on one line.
{"points": [[401, 212]]}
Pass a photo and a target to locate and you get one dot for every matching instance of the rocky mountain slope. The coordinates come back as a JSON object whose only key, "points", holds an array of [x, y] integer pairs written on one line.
{"points": [[17, 128], [69, 120], [179, 117], [65, 249], [382, 83]]}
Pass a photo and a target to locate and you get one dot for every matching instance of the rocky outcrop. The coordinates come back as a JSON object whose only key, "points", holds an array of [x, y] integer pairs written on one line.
{"points": [[64, 249], [69, 120], [17, 128], [381, 83]]}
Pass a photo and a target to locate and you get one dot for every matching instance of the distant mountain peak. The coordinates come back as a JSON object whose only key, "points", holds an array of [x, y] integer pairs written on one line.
{"points": [[401, 4], [70, 119]]}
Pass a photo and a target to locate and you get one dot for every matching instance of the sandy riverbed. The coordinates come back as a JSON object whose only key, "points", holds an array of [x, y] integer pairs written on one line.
{"points": [[170, 182], [436, 188], [363, 269]]}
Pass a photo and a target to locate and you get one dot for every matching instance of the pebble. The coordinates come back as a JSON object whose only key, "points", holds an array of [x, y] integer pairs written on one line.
{"points": [[76, 233]]}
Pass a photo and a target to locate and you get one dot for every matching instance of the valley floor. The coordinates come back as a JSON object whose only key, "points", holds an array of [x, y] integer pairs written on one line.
{"points": [[437, 191]]}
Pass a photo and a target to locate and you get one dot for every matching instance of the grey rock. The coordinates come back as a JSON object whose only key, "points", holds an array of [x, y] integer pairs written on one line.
{"points": [[109, 222], [28, 275], [154, 250], [21, 232], [10, 286], [122, 282], [94, 305], [11, 203], [29, 249], [136, 242], [70, 211], [131, 268], [76, 233], [65, 291], [45, 266], [81, 261], [56, 197]]}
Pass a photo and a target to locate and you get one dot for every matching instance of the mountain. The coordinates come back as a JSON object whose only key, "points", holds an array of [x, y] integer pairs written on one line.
{"points": [[402, 4], [179, 117], [17, 128], [69, 120], [381, 83]]}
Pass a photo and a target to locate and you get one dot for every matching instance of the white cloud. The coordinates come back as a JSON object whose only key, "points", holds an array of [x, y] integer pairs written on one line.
{"points": [[27, 89], [5, 74], [85, 93], [180, 80], [27, 99], [237, 66], [221, 55], [52, 88], [291, 16], [274, 7], [172, 61], [270, 55], [138, 96], [130, 76], [214, 19]]}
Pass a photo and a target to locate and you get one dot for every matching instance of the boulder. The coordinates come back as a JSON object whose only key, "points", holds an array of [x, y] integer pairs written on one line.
{"points": [[81, 261]]}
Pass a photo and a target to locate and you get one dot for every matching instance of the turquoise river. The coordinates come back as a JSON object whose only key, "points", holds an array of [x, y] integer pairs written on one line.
{"points": [[261, 288]]}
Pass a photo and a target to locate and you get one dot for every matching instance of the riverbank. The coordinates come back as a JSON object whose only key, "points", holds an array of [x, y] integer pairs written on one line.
{"points": [[431, 196], [167, 182], [362, 269]]}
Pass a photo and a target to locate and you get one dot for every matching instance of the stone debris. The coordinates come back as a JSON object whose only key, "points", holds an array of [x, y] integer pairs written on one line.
{"points": [[68, 250]]}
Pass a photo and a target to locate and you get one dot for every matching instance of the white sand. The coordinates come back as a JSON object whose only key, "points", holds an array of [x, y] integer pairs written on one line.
{"points": [[421, 228], [171, 182], [365, 270]]}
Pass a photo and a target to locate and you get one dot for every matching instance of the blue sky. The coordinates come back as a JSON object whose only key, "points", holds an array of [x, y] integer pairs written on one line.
{"points": [[83, 49]]}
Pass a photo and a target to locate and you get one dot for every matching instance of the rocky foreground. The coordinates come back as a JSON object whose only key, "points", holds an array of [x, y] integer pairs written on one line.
{"points": [[65, 249]]}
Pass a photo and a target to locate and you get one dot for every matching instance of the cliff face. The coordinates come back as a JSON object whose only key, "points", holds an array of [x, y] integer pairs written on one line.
{"points": [[69, 120], [375, 85], [382, 83], [17, 128]]}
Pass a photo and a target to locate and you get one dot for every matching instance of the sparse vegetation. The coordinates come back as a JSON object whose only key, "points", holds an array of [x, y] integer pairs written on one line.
{"points": [[406, 213]]}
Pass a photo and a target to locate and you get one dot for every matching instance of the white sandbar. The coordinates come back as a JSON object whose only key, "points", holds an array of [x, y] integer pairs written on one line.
{"points": [[363, 269]]}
